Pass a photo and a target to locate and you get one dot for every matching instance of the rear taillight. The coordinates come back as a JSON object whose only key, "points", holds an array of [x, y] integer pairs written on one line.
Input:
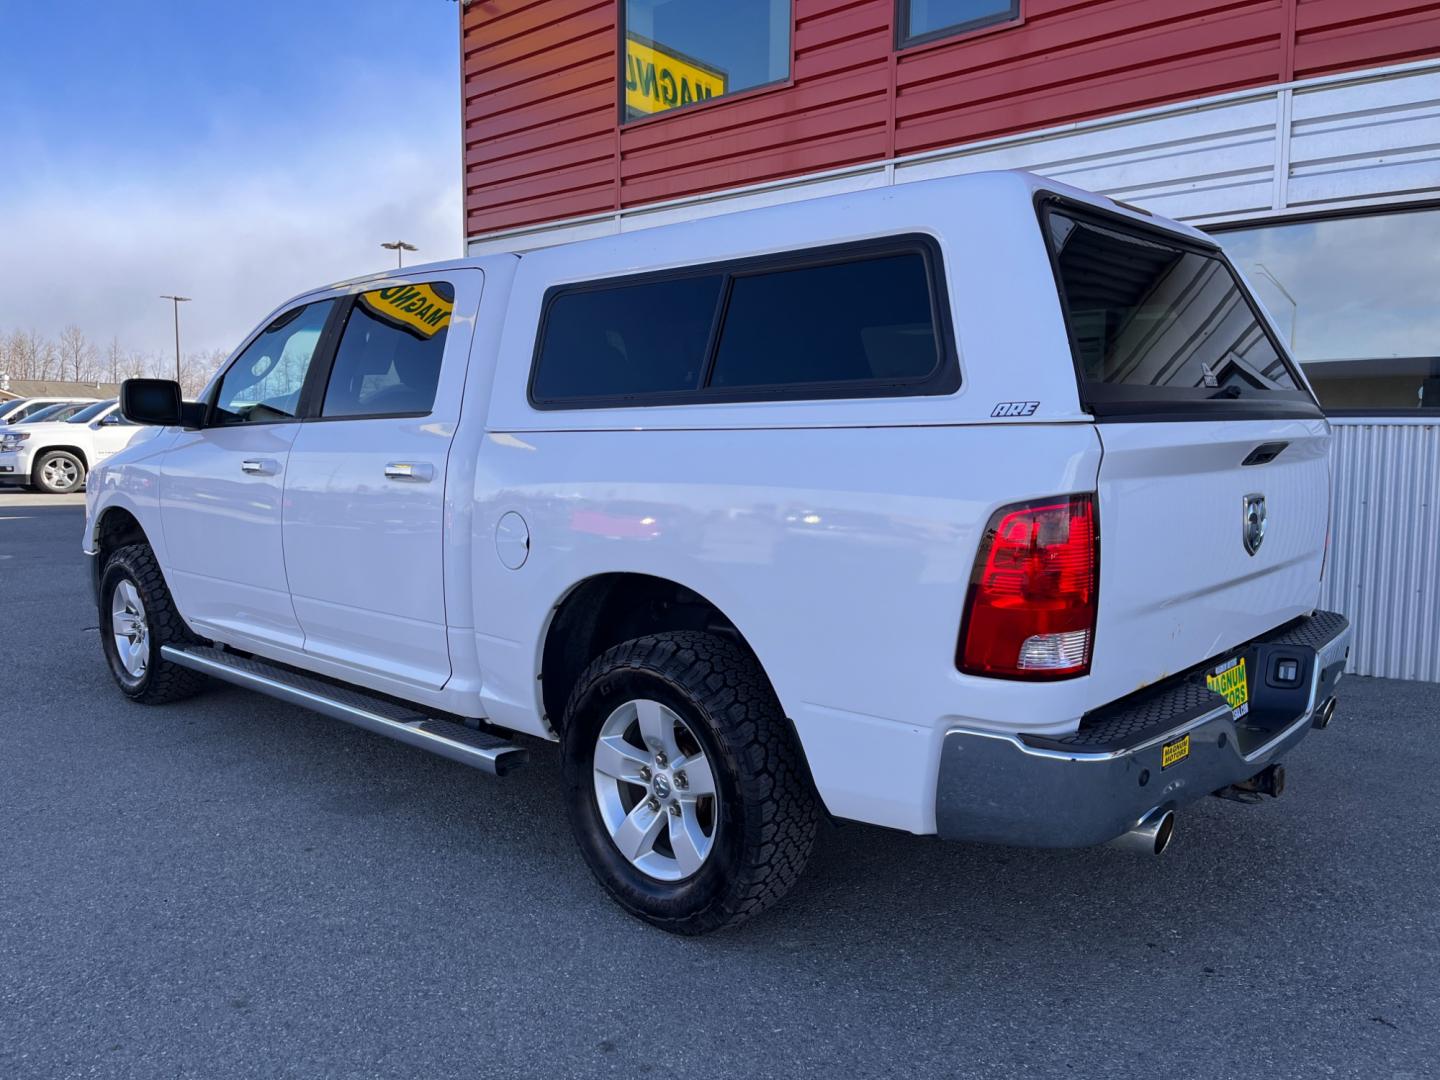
{"points": [[1031, 609]]}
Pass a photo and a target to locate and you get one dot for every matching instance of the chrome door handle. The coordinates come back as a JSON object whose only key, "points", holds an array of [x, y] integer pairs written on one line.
{"points": [[419, 472], [260, 466]]}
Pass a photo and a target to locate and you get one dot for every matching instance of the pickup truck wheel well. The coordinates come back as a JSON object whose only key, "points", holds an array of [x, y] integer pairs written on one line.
{"points": [[605, 610], [116, 529]]}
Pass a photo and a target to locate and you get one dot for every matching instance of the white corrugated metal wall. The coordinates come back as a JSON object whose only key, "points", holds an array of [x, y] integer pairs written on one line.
{"points": [[1384, 566]]}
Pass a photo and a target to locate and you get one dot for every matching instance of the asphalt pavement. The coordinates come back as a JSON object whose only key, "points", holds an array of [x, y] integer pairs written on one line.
{"points": [[234, 887]]}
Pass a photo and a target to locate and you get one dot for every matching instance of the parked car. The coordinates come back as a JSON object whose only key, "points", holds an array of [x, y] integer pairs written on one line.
{"points": [[981, 507], [55, 456], [21, 409]]}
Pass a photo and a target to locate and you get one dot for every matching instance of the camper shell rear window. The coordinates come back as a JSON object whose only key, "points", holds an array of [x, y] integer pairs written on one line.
{"points": [[1161, 326]]}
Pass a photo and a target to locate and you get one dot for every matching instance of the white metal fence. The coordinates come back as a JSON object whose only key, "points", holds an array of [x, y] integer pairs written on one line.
{"points": [[1384, 566]]}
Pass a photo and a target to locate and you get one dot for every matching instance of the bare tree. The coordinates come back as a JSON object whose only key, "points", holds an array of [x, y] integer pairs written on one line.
{"points": [[77, 355], [114, 359], [48, 360], [22, 354]]}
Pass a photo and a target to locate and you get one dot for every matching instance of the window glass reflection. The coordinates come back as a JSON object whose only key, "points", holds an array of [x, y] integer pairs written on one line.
{"points": [[1358, 301], [681, 52]]}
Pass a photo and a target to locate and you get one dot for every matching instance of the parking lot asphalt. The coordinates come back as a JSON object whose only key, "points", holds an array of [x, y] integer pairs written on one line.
{"points": [[235, 887]]}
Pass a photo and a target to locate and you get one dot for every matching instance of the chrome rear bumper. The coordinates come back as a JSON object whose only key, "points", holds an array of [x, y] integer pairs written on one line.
{"points": [[1110, 775]]}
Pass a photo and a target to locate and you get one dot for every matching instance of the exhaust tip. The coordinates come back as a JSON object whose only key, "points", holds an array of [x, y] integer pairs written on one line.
{"points": [[1324, 714], [1152, 836], [1164, 831]]}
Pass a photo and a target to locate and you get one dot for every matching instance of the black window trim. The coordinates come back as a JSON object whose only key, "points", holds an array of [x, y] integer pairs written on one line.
{"points": [[1150, 410], [902, 20], [943, 378], [786, 79]]}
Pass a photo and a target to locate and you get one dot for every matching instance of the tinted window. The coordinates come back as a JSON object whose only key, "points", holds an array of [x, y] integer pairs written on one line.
{"points": [[49, 412], [264, 382], [1155, 321], [861, 321], [90, 412], [388, 361], [921, 20], [625, 340]]}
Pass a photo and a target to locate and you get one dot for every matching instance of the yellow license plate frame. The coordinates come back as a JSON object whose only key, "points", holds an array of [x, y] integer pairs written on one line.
{"points": [[1231, 681], [1172, 753]]}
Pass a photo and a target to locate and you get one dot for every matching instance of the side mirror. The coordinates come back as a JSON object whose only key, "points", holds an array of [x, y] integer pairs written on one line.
{"points": [[158, 402]]}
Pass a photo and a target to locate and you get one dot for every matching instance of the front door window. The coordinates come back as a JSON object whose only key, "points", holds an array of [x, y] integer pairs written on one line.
{"points": [[264, 383]]}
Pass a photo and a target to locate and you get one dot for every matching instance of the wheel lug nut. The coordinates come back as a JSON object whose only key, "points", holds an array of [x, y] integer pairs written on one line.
{"points": [[660, 759], [674, 809], [653, 804], [645, 772], [681, 781]]}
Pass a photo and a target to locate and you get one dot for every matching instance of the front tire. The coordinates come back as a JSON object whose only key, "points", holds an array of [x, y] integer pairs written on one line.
{"points": [[58, 472], [137, 617], [685, 786]]}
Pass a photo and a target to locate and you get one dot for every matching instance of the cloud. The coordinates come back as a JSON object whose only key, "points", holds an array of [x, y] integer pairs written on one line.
{"points": [[239, 221]]}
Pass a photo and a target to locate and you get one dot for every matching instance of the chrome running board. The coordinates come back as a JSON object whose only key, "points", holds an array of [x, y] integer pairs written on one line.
{"points": [[478, 749]]}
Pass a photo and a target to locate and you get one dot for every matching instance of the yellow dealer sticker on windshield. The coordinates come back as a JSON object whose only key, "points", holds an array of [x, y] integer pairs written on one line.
{"points": [[1229, 681], [416, 307]]}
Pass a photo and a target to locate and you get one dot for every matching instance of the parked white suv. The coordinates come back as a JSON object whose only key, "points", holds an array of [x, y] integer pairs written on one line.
{"points": [[982, 507], [56, 456], [20, 410]]}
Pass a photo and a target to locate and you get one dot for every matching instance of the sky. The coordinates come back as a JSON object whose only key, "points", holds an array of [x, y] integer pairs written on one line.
{"points": [[234, 151]]}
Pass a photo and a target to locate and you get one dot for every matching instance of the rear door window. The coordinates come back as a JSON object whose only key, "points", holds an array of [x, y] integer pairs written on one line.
{"points": [[1158, 323], [389, 356]]}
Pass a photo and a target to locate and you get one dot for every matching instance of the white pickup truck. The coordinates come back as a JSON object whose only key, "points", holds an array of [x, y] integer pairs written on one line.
{"points": [[980, 507]]}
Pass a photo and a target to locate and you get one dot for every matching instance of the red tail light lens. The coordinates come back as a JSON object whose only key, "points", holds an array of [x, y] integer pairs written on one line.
{"points": [[1031, 609]]}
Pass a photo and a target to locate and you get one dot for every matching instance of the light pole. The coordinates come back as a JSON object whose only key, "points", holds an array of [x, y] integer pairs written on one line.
{"points": [[176, 301], [399, 247]]}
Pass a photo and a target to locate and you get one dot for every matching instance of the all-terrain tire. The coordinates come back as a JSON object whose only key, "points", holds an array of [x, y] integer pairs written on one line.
{"points": [[160, 681], [767, 811]]}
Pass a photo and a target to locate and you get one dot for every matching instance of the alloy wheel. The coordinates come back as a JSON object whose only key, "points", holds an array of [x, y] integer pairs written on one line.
{"points": [[655, 790]]}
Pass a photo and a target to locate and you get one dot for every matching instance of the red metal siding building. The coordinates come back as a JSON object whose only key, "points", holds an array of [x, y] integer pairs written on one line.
{"points": [[544, 142]]}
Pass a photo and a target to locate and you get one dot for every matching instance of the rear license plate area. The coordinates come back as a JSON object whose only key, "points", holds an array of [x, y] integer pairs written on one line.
{"points": [[1232, 682]]}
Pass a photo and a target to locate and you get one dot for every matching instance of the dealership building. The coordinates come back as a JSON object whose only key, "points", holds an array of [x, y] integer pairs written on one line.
{"points": [[1304, 133]]}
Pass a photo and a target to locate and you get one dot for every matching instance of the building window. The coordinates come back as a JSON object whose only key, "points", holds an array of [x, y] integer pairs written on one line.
{"points": [[1355, 298], [926, 20], [683, 52]]}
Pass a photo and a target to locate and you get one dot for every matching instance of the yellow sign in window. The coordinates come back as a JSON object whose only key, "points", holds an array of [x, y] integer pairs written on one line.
{"points": [[657, 78]]}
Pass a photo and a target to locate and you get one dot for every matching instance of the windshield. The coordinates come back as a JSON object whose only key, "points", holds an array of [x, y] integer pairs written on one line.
{"points": [[1157, 320], [8, 407], [84, 416], [49, 412]]}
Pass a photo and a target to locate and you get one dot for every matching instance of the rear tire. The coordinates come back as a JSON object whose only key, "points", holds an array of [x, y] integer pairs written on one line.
{"points": [[58, 472], [721, 719], [137, 617]]}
